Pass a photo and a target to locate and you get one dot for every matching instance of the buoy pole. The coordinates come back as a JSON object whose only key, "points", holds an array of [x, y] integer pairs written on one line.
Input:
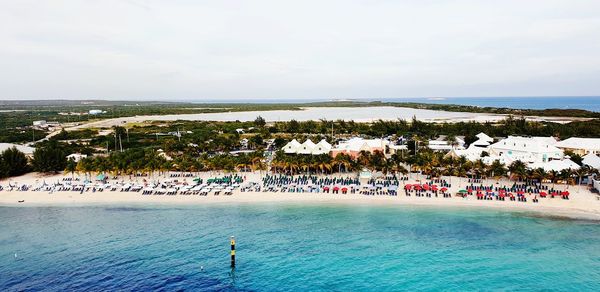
{"points": [[232, 252]]}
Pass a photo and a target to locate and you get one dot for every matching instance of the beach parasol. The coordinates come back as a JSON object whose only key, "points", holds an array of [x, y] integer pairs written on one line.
{"points": [[444, 189]]}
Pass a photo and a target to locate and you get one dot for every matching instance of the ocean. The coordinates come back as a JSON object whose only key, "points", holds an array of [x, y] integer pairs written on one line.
{"points": [[286, 247], [591, 103]]}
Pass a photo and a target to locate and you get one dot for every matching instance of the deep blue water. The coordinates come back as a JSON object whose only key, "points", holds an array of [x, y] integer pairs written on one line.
{"points": [[293, 248]]}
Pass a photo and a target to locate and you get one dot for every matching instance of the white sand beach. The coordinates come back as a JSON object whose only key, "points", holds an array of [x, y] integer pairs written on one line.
{"points": [[582, 203]]}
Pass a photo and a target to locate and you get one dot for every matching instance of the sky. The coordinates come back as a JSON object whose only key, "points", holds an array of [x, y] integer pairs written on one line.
{"points": [[275, 49]]}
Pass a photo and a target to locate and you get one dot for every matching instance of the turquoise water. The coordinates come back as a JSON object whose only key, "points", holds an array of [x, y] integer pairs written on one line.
{"points": [[289, 247]]}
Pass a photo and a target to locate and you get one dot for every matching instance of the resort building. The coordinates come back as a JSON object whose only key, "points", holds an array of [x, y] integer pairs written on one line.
{"points": [[354, 146], [555, 165], [307, 148], [472, 153], [28, 151], [291, 147], [526, 149], [441, 144], [580, 146], [592, 160], [483, 140], [323, 147]]}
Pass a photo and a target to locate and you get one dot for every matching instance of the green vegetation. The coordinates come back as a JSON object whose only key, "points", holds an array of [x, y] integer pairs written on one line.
{"points": [[13, 163], [49, 157], [197, 146]]}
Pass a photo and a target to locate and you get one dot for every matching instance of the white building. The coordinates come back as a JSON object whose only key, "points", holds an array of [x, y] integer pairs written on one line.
{"points": [[76, 156], [526, 149], [441, 144], [323, 147], [555, 165], [291, 147], [483, 140], [40, 124], [307, 148], [580, 146], [591, 160], [354, 146], [95, 112], [472, 153]]}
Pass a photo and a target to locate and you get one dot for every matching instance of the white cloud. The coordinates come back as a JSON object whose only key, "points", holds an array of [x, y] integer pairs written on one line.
{"points": [[305, 49]]}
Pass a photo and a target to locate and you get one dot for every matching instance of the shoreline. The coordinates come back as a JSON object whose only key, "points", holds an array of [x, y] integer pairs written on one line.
{"points": [[582, 203], [33, 199]]}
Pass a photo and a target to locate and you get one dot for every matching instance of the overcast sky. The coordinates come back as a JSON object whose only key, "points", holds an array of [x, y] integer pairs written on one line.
{"points": [[218, 49]]}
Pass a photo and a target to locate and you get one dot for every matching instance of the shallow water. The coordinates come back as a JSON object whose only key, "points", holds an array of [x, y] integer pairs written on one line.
{"points": [[292, 247]]}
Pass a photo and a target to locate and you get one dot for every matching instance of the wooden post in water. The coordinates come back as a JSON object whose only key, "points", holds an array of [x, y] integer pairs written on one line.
{"points": [[232, 252]]}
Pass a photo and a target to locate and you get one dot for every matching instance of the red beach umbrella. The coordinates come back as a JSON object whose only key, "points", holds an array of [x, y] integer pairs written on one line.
{"points": [[344, 189], [325, 188], [444, 189], [564, 193], [426, 187], [417, 187], [407, 187], [336, 188], [543, 194], [520, 192], [434, 188]]}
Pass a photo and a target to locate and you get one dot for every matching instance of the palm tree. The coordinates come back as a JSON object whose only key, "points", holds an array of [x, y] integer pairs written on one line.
{"points": [[479, 167], [566, 175], [518, 170], [552, 176], [582, 172], [497, 169], [71, 166]]}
